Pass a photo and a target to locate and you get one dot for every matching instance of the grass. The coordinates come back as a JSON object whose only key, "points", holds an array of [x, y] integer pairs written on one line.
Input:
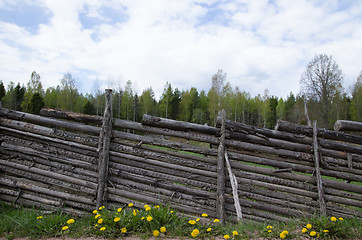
{"points": [[163, 222]]}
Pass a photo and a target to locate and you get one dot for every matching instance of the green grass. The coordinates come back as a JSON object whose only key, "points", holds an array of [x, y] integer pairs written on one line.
{"points": [[147, 221]]}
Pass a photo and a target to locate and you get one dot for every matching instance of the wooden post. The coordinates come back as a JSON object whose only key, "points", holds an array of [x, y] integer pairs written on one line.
{"points": [[220, 201], [317, 172], [103, 148]]}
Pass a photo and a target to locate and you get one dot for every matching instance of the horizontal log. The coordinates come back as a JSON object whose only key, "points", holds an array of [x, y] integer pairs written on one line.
{"points": [[178, 125], [72, 116], [48, 121], [344, 125], [321, 132], [8, 166], [31, 186], [20, 194]]}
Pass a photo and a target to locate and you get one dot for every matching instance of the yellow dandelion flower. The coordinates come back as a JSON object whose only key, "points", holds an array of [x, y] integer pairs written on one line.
{"points": [[304, 230], [313, 233], [269, 231], [341, 218], [333, 219], [156, 233], [116, 219], [308, 226], [124, 230], [147, 209], [149, 218], [119, 209], [40, 217], [95, 212], [101, 207], [157, 206], [97, 216], [235, 233], [226, 236], [282, 235], [162, 229], [208, 230], [134, 213], [96, 225], [326, 231], [102, 229], [285, 232], [100, 221], [216, 220], [269, 227], [204, 215], [197, 219], [171, 212], [146, 206], [142, 218], [193, 234], [70, 221], [192, 222], [196, 231], [130, 205], [65, 228]]}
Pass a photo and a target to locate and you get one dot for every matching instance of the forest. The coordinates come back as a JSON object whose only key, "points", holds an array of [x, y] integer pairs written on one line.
{"points": [[202, 107]]}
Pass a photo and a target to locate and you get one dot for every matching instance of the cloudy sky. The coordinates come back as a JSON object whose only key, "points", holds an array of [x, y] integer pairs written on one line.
{"points": [[260, 44]]}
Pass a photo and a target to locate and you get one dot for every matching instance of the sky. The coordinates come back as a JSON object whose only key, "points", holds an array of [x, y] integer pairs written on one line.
{"points": [[260, 44]]}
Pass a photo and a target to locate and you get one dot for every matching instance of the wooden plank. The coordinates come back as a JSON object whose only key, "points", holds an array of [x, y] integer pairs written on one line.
{"points": [[221, 172], [317, 174]]}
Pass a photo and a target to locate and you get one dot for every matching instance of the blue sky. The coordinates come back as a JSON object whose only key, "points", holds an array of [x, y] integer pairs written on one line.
{"points": [[260, 44]]}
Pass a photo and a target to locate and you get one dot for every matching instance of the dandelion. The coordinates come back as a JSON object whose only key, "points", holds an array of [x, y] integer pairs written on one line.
{"points": [[216, 220], [65, 228], [235, 233], [204, 215], [97, 216], [197, 219], [195, 232], [333, 219], [157, 206], [208, 230], [282, 235], [162, 229], [269, 231], [70, 221], [171, 212], [40, 217], [116, 219], [313, 233], [269, 227], [192, 222], [226, 236], [285, 232], [142, 218], [124, 230], [101, 207], [134, 213], [102, 229], [95, 212], [308, 226], [130, 205], [326, 231], [340, 219], [149, 218], [147, 209], [156, 233], [304, 230], [96, 225], [119, 209], [146, 206], [100, 221]]}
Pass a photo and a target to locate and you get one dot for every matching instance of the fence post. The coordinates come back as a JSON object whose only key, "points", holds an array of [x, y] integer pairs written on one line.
{"points": [[317, 172], [103, 149], [220, 198]]}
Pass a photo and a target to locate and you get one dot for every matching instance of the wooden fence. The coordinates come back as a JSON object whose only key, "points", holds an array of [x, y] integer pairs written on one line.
{"points": [[75, 162]]}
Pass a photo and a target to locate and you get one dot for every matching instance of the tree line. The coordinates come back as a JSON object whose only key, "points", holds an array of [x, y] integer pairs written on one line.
{"points": [[321, 98]]}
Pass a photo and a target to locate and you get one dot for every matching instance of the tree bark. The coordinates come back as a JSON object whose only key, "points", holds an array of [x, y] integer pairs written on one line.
{"points": [[344, 125]]}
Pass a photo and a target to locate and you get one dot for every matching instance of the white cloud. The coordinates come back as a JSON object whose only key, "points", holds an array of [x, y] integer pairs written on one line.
{"points": [[260, 45]]}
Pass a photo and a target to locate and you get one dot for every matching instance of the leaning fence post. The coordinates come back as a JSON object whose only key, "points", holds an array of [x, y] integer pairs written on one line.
{"points": [[317, 172], [220, 200], [103, 148]]}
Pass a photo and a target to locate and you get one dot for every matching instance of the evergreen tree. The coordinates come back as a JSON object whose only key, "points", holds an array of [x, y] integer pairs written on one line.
{"points": [[356, 102], [33, 86], [36, 103], [88, 108], [2, 90]]}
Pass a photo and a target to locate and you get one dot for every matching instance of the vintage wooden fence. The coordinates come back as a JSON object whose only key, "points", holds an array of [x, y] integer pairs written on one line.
{"points": [[75, 162]]}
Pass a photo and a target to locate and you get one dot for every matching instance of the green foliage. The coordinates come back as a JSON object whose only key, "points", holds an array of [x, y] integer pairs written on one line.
{"points": [[36, 103], [2, 90]]}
